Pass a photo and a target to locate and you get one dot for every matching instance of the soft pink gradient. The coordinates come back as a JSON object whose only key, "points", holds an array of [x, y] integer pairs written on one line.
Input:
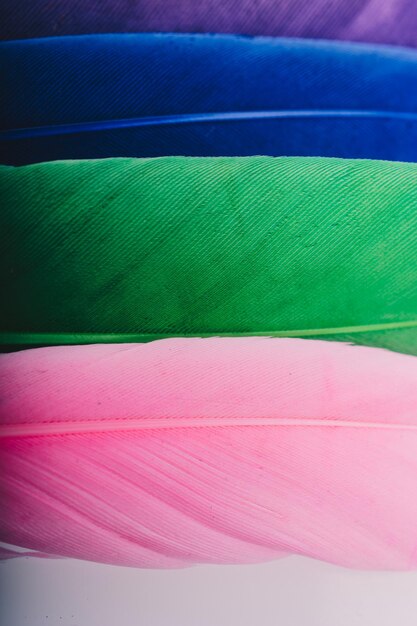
{"points": [[211, 450]]}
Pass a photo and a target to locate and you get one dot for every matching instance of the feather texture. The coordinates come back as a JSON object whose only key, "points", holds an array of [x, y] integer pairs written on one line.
{"points": [[162, 95], [226, 450], [132, 250], [390, 21]]}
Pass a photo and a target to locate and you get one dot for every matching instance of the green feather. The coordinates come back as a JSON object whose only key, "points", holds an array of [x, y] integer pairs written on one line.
{"points": [[134, 249]]}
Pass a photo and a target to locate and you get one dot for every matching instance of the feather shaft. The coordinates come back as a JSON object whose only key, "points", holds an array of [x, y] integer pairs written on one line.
{"points": [[85, 338], [120, 425], [196, 118]]}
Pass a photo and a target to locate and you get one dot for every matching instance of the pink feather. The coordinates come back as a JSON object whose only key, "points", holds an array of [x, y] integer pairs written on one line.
{"points": [[221, 450]]}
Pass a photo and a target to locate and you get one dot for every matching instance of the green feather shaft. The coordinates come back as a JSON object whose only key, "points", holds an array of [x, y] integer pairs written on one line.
{"points": [[87, 338]]}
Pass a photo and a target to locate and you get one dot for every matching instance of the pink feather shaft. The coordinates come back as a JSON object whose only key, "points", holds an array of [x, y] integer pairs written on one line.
{"points": [[230, 450]]}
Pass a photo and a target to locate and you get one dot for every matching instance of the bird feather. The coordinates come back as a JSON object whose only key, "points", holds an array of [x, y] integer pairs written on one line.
{"points": [[162, 95], [392, 22], [219, 450], [128, 250]]}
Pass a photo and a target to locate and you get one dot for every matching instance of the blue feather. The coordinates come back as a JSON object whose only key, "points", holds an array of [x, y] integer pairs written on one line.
{"points": [[156, 95]]}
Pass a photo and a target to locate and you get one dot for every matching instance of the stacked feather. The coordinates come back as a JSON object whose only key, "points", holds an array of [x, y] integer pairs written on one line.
{"points": [[163, 95], [390, 21], [209, 359]]}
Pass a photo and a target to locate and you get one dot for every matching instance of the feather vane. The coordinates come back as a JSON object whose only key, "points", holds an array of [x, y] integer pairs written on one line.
{"points": [[221, 450], [139, 249], [162, 95], [394, 22]]}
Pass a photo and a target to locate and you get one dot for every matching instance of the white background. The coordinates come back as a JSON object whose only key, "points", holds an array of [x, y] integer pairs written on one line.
{"points": [[292, 591]]}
